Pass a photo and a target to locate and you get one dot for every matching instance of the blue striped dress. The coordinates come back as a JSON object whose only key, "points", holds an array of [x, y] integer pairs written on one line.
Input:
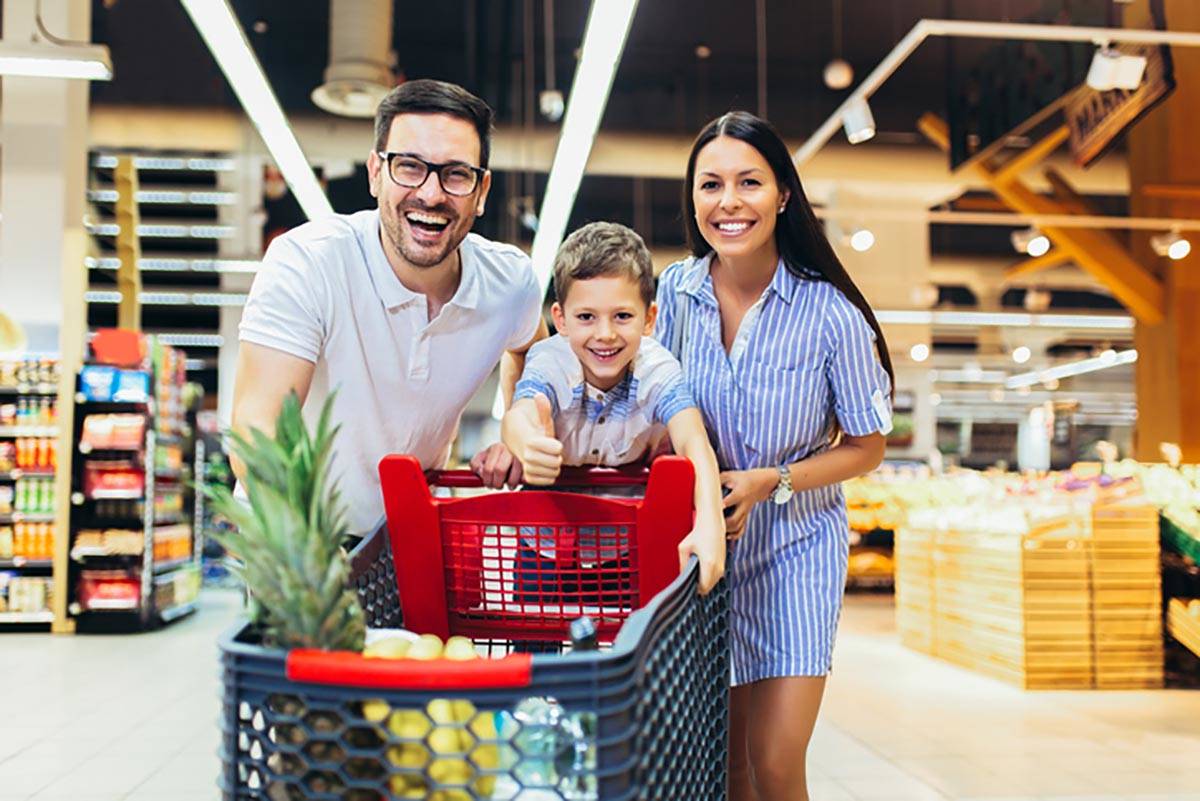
{"points": [[803, 358]]}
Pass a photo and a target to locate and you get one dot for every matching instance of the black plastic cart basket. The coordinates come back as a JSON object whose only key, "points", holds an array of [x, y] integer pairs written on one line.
{"points": [[645, 718]]}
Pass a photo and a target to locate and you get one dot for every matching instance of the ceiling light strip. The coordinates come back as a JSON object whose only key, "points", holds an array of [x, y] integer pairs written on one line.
{"points": [[225, 38], [171, 265], [1107, 322], [603, 41], [1102, 362]]}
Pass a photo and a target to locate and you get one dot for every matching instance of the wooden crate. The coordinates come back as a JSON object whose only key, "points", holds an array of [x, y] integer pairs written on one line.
{"points": [[1183, 625]]}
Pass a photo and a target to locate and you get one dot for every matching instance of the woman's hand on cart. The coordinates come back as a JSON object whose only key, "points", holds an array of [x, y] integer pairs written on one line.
{"points": [[528, 430], [708, 546], [497, 467], [746, 488]]}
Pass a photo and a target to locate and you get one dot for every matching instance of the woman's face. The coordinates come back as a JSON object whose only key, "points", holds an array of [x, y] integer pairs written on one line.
{"points": [[737, 198]]}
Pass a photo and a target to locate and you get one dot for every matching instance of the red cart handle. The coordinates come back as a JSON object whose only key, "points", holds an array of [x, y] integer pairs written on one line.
{"points": [[348, 669], [625, 475]]}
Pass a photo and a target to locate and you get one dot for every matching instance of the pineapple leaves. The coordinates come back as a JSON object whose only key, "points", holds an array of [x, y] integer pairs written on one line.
{"points": [[288, 534]]}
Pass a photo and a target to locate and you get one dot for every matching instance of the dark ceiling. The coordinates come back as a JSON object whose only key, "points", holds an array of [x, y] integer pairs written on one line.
{"points": [[661, 84]]}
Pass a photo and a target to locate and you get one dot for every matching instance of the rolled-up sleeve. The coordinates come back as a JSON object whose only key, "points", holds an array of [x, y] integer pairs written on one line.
{"points": [[283, 310], [860, 385]]}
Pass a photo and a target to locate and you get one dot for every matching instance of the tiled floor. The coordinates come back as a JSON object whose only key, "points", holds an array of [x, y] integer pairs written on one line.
{"points": [[133, 718]]}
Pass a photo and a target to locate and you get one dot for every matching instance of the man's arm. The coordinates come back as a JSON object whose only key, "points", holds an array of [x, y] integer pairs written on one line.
{"points": [[512, 363], [265, 376], [494, 464]]}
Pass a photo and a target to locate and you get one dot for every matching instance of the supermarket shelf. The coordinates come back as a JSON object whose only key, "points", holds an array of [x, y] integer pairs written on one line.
{"points": [[44, 390], [22, 517], [8, 432], [172, 521], [172, 564], [169, 475], [177, 611], [81, 554], [88, 450], [27, 617], [13, 475], [168, 439], [21, 563], [105, 605], [115, 495]]}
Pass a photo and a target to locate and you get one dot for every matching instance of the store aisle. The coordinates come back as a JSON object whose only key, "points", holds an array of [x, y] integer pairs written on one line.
{"points": [[134, 718]]}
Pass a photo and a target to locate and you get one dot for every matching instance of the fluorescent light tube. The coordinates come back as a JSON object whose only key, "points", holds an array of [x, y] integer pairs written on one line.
{"points": [[603, 41], [225, 38], [1101, 362], [47, 60]]}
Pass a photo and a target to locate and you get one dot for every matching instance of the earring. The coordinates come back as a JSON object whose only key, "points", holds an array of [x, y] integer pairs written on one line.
{"points": [[781, 208]]}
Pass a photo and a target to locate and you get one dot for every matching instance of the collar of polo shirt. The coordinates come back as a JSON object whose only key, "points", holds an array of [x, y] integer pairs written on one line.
{"points": [[396, 295]]}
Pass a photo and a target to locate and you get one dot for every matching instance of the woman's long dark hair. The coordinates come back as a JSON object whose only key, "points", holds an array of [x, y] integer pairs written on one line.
{"points": [[800, 238]]}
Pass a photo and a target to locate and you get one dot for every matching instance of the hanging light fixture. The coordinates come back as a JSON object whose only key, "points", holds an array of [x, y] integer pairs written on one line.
{"points": [[1030, 241], [838, 73], [858, 122], [1171, 244], [1112, 69]]}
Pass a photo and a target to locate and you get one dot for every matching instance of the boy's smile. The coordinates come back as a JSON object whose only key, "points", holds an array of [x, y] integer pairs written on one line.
{"points": [[604, 320]]}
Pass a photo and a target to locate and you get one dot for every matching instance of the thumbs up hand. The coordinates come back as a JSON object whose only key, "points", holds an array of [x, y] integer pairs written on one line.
{"points": [[528, 431]]}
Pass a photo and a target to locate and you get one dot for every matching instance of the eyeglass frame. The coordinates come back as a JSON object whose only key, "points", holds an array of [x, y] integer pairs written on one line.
{"points": [[431, 168]]}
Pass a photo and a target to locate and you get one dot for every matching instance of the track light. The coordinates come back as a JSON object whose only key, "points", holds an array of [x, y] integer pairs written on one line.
{"points": [[1112, 69], [862, 240], [49, 60], [1171, 245], [919, 352], [858, 122], [1031, 241], [1021, 354]]}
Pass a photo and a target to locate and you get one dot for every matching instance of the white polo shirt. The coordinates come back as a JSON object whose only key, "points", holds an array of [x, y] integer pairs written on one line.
{"points": [[326, 293]]}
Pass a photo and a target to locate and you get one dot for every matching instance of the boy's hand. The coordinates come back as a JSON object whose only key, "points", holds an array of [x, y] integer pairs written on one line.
{"points": [[746, 488], [708, 546], [541, 453]]}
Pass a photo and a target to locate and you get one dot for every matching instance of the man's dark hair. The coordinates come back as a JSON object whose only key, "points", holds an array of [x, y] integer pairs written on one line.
{"points": [[601, 249], [428, 96]]}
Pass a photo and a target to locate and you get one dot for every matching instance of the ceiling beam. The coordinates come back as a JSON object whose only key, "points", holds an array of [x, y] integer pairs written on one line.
{"points": [[1038, 264], [1096, 251]]}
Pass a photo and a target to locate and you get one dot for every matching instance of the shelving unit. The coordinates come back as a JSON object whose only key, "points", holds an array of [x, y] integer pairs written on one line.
{"points": [[109, 580], [29, 434]]}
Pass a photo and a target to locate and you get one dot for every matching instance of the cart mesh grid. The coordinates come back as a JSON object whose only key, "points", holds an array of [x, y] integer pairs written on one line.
{"points": [[646, 719]]}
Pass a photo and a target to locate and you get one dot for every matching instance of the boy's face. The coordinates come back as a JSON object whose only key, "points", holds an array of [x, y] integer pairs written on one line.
{"points": [[604, 319]]}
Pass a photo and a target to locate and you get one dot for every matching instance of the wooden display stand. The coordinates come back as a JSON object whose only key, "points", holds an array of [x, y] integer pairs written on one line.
{"points": [[1072, 603]]}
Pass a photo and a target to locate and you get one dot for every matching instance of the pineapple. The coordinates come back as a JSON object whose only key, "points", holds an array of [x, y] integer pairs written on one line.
{"points": [[288, 536]]}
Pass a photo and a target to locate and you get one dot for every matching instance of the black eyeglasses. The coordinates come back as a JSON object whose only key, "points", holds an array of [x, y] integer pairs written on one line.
{"points": [[411, 171]]}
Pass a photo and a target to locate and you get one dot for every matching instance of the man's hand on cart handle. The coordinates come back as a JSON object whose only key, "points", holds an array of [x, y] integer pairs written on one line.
{"points": [[496, 467]]}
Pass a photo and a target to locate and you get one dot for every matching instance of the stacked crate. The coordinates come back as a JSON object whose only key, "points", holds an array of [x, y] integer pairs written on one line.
{"points": [[1126, 595], [1183, 621], [1015, 606], [914, 594]]}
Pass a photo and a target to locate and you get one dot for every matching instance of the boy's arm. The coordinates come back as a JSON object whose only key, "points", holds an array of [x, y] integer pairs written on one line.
{"points": [[528, 431], [707, 539]]}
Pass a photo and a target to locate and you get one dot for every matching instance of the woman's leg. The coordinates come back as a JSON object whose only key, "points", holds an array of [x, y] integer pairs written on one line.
{"points": [[740, 787], [783, 713]]}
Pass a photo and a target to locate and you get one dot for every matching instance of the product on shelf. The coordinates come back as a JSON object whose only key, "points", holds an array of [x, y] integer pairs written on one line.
{"points": [[172, 542], [105, 542], [33, 453], [24, 593], [32, 541], [34, 496], [117, 478], [113, 432], [108, 589], [29, 374], [112, 384]]}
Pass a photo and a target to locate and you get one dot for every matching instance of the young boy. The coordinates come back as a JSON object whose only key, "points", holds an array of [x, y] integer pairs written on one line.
{"points": [[604, 391]]}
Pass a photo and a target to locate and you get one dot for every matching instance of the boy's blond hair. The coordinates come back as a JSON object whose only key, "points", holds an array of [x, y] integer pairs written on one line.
{"points": [[603, 249]]}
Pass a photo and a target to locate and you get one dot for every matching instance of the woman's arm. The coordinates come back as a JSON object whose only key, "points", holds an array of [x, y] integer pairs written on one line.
{"points": [[850, 458]]}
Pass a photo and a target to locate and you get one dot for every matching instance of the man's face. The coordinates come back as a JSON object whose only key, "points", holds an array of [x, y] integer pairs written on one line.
{"points": [[426, 224]]}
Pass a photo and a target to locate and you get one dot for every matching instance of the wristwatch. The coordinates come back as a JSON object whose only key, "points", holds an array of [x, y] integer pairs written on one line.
{"points": [[783, 490]]}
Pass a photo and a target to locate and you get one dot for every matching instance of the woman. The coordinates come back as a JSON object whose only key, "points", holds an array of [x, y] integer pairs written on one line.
{"points": [[792, 375]]}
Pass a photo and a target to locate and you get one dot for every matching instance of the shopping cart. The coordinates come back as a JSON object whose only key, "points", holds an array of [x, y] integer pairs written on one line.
{"points": [[644, 717]]}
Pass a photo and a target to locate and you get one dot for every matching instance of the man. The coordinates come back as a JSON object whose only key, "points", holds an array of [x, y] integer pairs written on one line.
{"points": [[400, 309]]}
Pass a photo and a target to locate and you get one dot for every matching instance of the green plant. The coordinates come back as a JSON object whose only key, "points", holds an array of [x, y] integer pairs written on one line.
{"points": [[288, 534]]}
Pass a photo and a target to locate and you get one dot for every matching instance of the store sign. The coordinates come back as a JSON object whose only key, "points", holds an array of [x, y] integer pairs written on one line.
{"points": [[1098, 119]]}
